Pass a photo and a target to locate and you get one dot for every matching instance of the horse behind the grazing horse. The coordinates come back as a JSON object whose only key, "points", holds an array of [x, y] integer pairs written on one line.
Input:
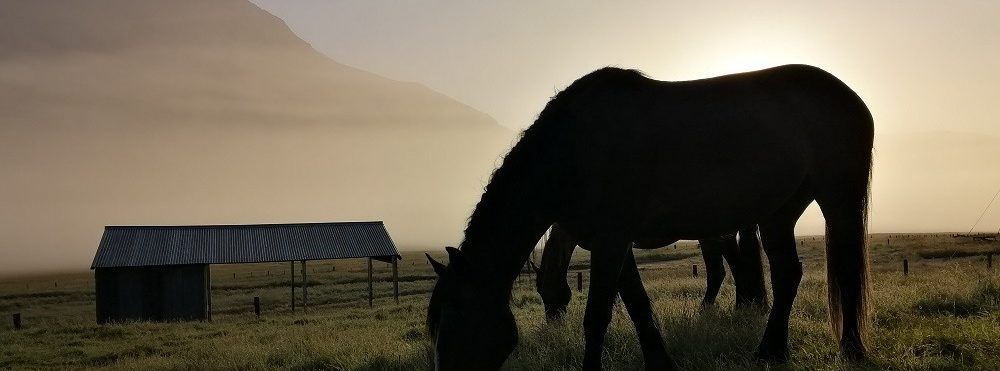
{"points": [[743, 256], [617, 157]]}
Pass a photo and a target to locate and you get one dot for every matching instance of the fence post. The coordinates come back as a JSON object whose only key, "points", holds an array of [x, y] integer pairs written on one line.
{"points": [[989, 261], [906, 267], [17, 321], [256, 306], [694, 270], [579, 281]]}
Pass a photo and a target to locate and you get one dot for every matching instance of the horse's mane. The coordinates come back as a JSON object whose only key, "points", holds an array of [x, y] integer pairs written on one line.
{"points": [[530, 160]]}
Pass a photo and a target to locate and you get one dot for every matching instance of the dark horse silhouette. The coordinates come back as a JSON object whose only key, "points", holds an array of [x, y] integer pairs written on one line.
{"points": [[617, 157], [743, 256]]}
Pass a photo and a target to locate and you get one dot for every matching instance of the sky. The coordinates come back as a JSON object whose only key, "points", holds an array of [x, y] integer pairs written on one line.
{"points": [[123, 112], [921, 65]]}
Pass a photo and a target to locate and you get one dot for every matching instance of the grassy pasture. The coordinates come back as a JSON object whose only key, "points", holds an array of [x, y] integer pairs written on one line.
{"points": [[944, 315]]}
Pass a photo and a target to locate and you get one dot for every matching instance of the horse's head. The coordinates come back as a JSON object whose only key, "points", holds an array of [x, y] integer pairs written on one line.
{"points": [[469, 317]]}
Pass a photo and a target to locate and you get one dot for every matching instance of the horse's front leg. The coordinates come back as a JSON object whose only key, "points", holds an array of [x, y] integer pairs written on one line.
{"points": [[637, 302], [606, 259]]}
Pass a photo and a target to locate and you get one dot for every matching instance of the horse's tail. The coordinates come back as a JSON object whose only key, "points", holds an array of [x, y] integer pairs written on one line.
{"points": [[848, 274]]}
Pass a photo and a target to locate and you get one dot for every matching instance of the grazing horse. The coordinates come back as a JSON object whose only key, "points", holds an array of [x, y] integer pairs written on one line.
{"points": [[743, 257], [617, 157]]}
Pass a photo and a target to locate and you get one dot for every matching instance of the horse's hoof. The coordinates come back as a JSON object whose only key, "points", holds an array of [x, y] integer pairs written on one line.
{"points": [[772, 354]]}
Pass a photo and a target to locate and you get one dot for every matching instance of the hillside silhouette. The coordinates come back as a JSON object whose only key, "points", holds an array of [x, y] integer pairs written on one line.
{"points": [[186, 112]]}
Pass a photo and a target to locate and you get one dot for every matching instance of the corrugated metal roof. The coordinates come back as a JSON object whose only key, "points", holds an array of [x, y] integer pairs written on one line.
{"points": [[135, 246]]}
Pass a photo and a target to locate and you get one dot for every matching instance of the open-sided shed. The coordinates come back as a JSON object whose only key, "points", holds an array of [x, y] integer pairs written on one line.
{"points": [[162, 272]]}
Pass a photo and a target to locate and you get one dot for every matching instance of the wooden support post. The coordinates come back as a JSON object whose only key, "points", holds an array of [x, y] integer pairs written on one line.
{"points": [[305, 288], [17, 321], [395, 278], [579, 281], [906, 267], [989, 261], [694, 270], [292, 284], [256, 306], [371, 296], [208, 290]]}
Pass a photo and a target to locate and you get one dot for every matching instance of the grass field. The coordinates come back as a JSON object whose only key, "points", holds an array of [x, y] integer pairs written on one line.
{"points": [[944, 315]]}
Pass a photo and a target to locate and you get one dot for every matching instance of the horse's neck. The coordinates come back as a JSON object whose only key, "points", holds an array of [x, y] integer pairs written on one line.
{"points": [[501, 236]]}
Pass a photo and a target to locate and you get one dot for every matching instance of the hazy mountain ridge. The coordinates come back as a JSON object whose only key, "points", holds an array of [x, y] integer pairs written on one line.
{"points": [[190, 112]]}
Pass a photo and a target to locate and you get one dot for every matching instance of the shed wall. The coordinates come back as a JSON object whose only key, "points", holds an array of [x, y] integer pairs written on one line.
{"points": [[156, 293]]}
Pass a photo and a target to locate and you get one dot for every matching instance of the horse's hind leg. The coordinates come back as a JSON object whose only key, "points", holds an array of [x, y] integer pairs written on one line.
{"points": [[778, 237], [637, 302], [715, 270], [606, 260]]}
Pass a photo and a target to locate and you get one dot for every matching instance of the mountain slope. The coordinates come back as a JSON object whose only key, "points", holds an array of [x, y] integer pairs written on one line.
{"points": [[189, 112]]}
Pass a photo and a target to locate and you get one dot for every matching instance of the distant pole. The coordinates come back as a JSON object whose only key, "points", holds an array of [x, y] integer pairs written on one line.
{"points": [[395, 279], [305, 288], [256, 306], [292, 284], [579, 281], [17, 321], [989, 261], [234, 275], [371, 296], [906, 267], [694, 270]]}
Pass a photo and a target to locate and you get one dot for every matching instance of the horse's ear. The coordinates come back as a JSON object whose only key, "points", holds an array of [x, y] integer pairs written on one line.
{"points": [[438, 267], [454, 254], [534, 268]]}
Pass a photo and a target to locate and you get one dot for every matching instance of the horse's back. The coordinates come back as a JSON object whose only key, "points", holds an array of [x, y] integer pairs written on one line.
{"points": [[707, 154]]}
